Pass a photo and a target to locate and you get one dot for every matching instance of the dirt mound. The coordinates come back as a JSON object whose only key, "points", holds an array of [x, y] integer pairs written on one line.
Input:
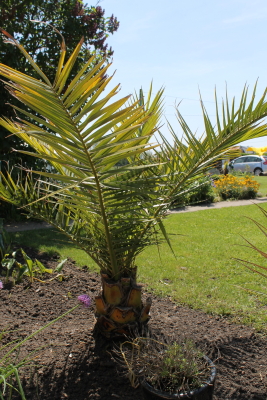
{"points": [[74, 363]]}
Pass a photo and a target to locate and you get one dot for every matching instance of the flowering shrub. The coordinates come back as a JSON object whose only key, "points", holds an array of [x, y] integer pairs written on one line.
{"points": [[233, 187]]}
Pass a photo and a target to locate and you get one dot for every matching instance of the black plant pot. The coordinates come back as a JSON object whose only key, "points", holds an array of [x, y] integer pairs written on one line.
{"points": [[205, 392]]}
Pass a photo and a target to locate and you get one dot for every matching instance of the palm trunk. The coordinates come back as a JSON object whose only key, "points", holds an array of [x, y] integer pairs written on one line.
{"points": [[119, 308]]}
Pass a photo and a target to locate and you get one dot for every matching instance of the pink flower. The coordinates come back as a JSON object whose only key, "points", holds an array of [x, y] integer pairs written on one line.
{"points": [[1, 285], [85, 300]]}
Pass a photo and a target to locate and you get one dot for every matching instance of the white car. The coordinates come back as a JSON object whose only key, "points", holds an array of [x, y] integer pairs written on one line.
{"points": [[253, 163]]}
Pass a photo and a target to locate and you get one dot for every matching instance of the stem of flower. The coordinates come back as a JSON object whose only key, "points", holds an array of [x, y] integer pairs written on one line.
{"points": [[39, 330]]}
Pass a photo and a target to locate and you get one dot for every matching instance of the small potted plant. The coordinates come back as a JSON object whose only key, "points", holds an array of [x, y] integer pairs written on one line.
{"points": [[172, 370]]}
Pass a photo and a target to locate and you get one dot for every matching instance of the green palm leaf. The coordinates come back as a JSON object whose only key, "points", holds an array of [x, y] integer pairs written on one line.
{"points": [[84, 137]]}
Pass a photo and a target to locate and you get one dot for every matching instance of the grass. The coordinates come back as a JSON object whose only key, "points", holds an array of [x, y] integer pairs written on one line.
{"points": [[204, 274], [262, 180]]}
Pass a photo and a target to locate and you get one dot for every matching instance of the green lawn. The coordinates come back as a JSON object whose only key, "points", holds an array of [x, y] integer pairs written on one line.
{"points": [[263, 184], [204, 274]]}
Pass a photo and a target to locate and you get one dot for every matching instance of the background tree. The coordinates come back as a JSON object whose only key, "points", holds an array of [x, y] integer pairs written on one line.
{"points": [[74, 20]]}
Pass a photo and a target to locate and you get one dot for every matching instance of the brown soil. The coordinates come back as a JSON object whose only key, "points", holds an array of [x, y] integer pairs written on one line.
{"points": [[74, 363]]}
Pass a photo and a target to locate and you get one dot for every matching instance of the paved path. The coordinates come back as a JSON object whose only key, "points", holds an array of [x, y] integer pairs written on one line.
{"points": [[220, 204], [26, 226], [29, 225]]}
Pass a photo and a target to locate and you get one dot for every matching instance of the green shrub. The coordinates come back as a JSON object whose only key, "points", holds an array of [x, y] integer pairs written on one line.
{"points": [[5, 242], [10, 213], [200, 192]]}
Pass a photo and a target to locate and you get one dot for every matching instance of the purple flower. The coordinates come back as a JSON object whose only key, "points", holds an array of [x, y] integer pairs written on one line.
{"points": [[1, 285], [85, 300]]}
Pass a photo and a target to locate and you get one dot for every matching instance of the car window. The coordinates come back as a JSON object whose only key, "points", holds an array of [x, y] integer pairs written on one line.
{"points": [[240, 160], [253, 159]]}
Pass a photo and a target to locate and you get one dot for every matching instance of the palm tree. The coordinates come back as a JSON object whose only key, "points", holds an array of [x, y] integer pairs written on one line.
{"points": [[111, 209]]}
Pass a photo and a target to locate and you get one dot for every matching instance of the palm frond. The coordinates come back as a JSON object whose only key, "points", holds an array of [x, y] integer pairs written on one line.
{"points": [[84, 137], [186, 160]]}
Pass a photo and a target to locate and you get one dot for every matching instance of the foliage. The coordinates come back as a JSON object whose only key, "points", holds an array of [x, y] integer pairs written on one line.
{"points": [[9, 377], [174, 367], [9, 212], [9, 365], [238, 172], [200, 192], [75, 20], [232, 187], [225, 169], [10, 268], [104, 138], [252, 266], [5, 242], [33, 269]]}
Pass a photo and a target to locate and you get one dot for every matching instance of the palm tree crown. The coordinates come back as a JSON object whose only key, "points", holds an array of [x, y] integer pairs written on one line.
{"points": [[110, 208]]}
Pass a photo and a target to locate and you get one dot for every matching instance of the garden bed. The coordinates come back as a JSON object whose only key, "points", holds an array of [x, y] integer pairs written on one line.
{"points": [[74, 363]]}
